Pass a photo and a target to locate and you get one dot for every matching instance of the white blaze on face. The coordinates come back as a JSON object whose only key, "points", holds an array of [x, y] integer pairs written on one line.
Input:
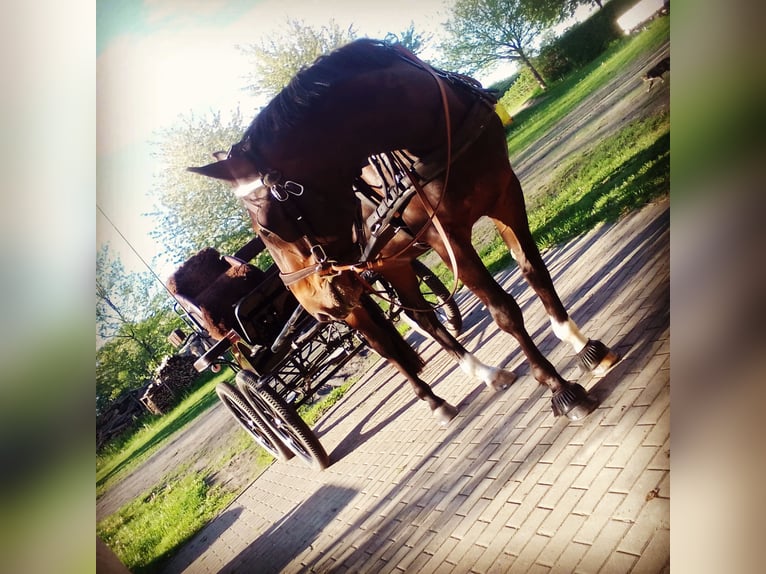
{"points": [[569, 333], [244, 188]]}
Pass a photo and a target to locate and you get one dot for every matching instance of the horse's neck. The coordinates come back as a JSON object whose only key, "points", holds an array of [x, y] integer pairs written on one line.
{"points": [[398, 111]]}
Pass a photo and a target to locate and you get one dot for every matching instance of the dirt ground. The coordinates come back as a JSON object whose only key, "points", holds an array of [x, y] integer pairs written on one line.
{"points": [[623, 100], [200, 445]]}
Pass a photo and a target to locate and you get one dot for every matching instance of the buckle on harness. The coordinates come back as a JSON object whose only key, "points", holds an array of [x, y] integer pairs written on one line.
{"points": [[318, 252], [282, 192]]}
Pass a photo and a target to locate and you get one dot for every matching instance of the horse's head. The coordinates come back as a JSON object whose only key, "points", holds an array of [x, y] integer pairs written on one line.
{"points": [[304, 229]]}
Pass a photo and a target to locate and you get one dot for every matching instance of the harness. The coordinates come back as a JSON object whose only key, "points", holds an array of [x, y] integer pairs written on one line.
{"points": [[403, 176]]}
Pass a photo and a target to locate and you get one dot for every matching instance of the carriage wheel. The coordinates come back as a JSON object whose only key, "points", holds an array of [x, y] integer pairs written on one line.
{"points": [[447, 311], [291, 429], [252, 422]]}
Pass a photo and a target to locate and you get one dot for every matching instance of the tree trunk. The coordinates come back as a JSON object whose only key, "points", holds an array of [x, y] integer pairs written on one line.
{"points": [[534, 71]]}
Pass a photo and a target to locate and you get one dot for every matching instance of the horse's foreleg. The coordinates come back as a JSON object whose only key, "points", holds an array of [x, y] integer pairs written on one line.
{"points": [[382, 337], [405, 282], [568, 399], [511, 222]]}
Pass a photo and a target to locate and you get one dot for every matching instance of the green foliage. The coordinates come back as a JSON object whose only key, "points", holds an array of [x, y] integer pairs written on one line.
{"points": [[162, 519], [288, 49], [414, 41], [523, 88], [133, 326], [121, 297], [502, 86], [192, 211], [553, 61], [583, 42], [482, 32]]}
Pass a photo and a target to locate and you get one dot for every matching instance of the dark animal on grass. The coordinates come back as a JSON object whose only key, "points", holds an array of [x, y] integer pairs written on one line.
{"points": [[296, 169], [656, 72]]}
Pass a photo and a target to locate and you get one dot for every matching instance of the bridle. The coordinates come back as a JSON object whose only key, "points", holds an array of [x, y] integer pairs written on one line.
{"points": [[323, 266]]}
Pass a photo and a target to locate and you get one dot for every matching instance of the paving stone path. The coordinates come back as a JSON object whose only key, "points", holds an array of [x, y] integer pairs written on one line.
{"points": [[506, 487]]}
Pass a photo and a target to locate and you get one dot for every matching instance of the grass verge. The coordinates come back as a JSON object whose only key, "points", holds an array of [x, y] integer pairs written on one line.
{"points": [[531, 124], [119, 458], [157, 523], [620, 174]]}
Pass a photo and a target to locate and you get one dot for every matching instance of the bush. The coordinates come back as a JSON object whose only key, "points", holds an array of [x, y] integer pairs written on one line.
{"points": [[553, 62], [585, 41], [524, 87]]}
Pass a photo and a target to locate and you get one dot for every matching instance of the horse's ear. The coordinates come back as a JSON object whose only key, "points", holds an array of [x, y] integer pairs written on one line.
{"points": [[216, 170], [233, 170]]}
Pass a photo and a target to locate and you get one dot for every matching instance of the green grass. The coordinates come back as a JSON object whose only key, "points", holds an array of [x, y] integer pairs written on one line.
{"points": [[157, 523], [120, 457], [620, 174], [311, 413], [531, 124]]}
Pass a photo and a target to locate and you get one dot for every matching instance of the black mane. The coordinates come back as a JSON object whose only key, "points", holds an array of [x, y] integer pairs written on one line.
{"points": [[290, 107]]}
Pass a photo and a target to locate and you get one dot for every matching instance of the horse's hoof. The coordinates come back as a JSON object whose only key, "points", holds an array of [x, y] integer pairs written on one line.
{"points": [[574, 402], [597, 358], [502, 380], [445, 413]]}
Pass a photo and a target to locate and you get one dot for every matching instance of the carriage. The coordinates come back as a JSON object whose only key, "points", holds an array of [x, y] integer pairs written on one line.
{"points": [[245, 318], [447, 146]]}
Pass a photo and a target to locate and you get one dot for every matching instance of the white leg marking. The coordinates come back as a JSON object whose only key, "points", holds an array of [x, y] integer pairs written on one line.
{"points": [[475, 368], [569, 333]]}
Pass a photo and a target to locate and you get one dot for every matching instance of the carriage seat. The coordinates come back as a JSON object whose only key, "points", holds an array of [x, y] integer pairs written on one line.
{"points": [[209, 286]]}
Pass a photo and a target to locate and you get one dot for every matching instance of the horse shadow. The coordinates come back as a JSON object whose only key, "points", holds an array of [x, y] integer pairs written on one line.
{"points": [[358, 554]]}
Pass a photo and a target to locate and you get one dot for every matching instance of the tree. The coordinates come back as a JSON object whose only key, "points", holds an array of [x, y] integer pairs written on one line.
{"points": [[570, 6], [483, 32], [194, 212], [121, 297], [278, 59], [414, 41], [133, 321]]}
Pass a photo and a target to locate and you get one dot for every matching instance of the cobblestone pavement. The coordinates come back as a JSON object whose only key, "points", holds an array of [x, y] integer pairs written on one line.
{"points": [[506, 487]]}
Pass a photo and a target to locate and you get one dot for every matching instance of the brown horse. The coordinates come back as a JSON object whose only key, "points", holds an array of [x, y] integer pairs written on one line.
{"points": [[296, 167]]}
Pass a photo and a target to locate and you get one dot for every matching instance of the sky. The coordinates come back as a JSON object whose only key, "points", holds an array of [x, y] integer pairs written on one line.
{"points": [[157, 59]]}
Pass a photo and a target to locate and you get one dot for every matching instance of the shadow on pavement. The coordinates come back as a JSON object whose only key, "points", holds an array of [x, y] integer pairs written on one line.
{"points": [[273, 550]]}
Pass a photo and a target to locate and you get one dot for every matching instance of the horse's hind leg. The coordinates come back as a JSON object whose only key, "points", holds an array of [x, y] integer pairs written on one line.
{"points": [[405, 281], [383, 337], [568, 399], [511, 220]]}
